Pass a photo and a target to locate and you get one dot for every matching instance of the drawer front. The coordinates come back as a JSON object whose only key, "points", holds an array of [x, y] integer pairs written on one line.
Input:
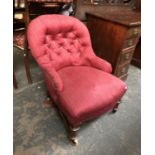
{"points": [[126, 57], [129, 43], [133, 32], [122, 70]]}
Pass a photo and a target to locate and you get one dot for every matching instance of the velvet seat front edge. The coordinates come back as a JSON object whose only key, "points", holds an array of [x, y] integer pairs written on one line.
{"points": [[83, 97], [80, 83]]}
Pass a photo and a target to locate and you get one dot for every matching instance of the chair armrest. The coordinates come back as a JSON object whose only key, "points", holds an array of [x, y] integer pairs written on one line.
{"points": [[48, 69], [55, 78], [101, 64]]}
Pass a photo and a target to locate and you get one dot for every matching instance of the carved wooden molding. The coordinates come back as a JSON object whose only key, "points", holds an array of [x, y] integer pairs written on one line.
{"points": [[108, 2]]}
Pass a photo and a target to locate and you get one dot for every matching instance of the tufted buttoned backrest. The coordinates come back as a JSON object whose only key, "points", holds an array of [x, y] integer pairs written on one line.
{"points": [[59, 41]]}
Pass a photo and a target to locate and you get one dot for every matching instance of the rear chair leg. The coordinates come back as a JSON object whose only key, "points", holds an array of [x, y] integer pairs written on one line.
{"points": [[26, 61], [48, 102], [14, 81], [48, 95], [116, 107]]}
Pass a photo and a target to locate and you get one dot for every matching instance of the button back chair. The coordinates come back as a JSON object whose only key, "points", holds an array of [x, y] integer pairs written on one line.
{"points": [[78, 81]]}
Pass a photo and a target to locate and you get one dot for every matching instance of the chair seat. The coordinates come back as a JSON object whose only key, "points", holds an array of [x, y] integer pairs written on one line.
{"points": [[88, 93]]}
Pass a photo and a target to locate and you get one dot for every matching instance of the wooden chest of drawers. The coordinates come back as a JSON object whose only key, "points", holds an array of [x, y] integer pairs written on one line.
{"points": [[114, 37]]}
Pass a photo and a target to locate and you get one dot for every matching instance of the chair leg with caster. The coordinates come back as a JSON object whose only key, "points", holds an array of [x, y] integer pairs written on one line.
{"points": [[48, 102], [14, 81], [26, 61], [116, 107], [27, 68], [72, 130], [73, 135]]}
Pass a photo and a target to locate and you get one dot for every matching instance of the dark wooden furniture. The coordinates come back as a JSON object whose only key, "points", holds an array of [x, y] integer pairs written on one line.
{"points": [[39, 7], [136, 60], [82, 6], [114, 36], [138, 5], [18, 14]]}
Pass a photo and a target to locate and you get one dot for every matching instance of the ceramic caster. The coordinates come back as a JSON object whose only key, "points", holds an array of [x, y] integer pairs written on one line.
{"points": [[116, 107], [48, 99], [74, 141], [119, 102], [114, 110], [48, 103]]}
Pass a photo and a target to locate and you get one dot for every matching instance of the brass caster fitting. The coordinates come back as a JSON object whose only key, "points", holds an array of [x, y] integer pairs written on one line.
{"points": [[74, 141], [114, 110]]}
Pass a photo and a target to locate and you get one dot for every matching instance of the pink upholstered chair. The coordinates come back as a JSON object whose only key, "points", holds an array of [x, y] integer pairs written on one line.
{"points": [[78, 81]]}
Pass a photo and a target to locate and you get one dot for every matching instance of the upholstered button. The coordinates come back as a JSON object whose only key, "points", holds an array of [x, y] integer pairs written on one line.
{"points": [[64, 35], [71, 42], [59, 35], [77, 36], [51, 59], [69, 51], [61, 43], [46, 33], [52, 37], [44, 41], [58, 53], [48, 45], [83, 44]]}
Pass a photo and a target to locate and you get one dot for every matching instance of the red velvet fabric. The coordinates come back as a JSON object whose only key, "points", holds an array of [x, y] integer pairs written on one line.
{"points": [[76, 78], [88, 92]]}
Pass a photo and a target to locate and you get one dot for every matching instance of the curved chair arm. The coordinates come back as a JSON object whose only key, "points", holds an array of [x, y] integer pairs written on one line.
{"points": [[55, 78], [101, 64], [48, 69]]}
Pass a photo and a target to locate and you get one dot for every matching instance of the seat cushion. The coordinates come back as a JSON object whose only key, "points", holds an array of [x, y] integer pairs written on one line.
{"points": [[88, 92]]}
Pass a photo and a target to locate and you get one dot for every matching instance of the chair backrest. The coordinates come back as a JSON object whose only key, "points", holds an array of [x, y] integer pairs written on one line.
{"points": [[59, 41]]}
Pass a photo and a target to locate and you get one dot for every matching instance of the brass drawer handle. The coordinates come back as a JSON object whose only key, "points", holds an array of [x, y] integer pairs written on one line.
{"points": [[127, 56], [123, 70], [135, 31], [130, 42]]}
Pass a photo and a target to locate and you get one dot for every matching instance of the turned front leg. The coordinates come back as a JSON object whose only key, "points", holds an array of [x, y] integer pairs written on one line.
{"points": [[73, 134], [116, 106]]}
